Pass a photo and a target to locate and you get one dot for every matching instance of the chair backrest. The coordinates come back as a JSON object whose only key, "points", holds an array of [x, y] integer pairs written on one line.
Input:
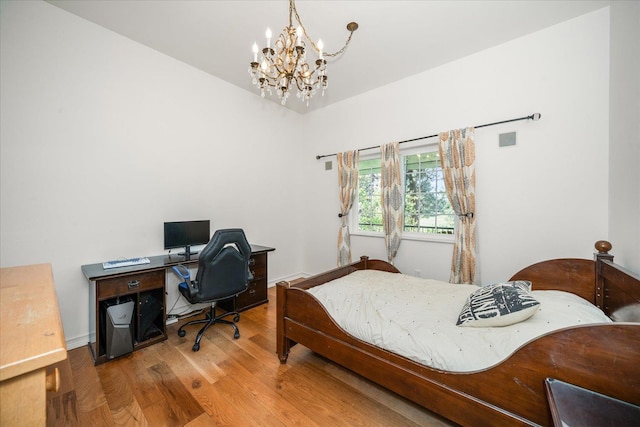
{"points": [[223, 265]]}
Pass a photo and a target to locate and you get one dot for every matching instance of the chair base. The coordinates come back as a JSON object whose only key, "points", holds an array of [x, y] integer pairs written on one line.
{"points": [[210, 319]]}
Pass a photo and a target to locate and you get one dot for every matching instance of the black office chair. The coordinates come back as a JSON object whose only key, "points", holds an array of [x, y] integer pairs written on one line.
{"points": [[223, 273]]}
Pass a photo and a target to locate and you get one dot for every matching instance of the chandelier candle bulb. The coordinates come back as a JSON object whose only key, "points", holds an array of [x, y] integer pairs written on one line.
{"points": [[299, 34], [268, 34], [255, 52], [320, 47]]}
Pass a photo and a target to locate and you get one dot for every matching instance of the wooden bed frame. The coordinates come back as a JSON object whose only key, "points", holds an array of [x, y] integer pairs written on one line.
{"points": [[604, 358]]}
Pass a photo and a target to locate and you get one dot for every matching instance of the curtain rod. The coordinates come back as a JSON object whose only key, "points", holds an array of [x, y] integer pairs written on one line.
{"points": [[534, 117]]}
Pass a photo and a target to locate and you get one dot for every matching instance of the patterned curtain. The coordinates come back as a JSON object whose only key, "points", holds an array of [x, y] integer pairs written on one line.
{"points": [[348, 184], [392, 199], [457, 156]]}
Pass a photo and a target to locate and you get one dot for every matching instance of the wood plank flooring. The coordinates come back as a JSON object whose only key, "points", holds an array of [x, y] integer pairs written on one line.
{"points": [[228, 382]]}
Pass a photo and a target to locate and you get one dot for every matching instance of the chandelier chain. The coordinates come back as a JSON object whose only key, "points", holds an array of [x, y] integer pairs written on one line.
{"points": [[292, 8]]}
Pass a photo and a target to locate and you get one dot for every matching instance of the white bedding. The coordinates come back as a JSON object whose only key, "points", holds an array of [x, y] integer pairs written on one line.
{"points": [[417, 317]]}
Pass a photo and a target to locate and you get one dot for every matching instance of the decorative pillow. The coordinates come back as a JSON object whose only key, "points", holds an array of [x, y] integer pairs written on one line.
{"points": [[500, 304]]}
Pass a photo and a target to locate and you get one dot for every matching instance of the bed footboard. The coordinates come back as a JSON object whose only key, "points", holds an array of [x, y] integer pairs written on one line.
{"points": [[303, 307], [283, 344]]}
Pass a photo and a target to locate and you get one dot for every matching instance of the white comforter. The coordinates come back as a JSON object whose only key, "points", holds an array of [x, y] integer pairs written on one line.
{"points": [[417, 317]]}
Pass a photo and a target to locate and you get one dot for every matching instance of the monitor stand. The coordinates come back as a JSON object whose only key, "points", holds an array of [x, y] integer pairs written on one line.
{"points": [[187, 253]]}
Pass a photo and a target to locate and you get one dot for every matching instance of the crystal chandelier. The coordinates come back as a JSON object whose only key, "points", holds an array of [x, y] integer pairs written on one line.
{"points": [[284, 65]]}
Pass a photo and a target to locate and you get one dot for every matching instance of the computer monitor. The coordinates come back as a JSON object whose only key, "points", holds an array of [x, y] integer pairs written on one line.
{"points": [[184, 234]]}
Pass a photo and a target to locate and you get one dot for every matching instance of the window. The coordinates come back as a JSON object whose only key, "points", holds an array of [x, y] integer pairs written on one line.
{"points": [[427, 210]]}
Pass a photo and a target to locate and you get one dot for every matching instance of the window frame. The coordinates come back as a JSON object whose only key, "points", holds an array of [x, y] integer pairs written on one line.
{"points": [[406, 235]]}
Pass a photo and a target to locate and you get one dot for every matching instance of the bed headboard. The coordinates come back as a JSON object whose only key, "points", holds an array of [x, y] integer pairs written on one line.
{"points": [[609, 286], [567, 274]]}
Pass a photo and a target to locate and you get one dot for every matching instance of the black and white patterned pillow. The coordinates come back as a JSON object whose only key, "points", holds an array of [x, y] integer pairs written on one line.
{"points": [[500, 304]]}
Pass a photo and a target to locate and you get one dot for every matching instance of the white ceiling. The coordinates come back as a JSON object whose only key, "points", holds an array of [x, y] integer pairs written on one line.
{"points": [[396, 39]]}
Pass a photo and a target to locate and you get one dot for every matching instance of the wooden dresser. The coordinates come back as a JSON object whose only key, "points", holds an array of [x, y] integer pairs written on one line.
{"points": [[31, 339]]}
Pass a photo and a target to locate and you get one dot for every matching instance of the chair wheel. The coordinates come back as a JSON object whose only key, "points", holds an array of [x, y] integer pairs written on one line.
{"points": [[236, 335], [236, 318], [182, 333], [196, 347]]}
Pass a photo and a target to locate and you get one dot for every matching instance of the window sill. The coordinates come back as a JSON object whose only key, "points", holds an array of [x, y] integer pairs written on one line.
{"points": [[447, 238]]}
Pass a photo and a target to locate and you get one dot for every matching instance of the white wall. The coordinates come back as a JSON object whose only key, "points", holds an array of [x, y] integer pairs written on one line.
{"points": [[624, 173], [546, 197], [103, 139]]}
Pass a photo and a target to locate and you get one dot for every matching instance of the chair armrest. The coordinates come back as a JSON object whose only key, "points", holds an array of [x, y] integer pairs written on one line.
{"points": [[182, 272]]}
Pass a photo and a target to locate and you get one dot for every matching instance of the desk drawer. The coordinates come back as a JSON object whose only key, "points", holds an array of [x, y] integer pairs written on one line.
{"points": [[259, 273], [128, 284], [258, 261], [256, 293]]}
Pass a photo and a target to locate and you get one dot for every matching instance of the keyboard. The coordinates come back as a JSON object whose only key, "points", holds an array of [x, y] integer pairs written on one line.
{"points": [[125, 262]]}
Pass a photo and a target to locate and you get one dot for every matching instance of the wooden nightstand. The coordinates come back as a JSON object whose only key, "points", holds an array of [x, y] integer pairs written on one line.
{"points": [[576, 406]]}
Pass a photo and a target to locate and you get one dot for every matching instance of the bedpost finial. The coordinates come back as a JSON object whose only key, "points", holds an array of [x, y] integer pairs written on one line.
{"points": [[602, 246]]}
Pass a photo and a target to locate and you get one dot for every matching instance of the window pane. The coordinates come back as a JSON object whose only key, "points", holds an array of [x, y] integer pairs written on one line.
{"points": [[424, 202], [369, 194], [369, 166]]}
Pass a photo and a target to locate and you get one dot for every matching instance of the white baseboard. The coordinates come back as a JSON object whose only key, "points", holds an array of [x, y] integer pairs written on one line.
{"points": [[287, 278], [78, 342]]}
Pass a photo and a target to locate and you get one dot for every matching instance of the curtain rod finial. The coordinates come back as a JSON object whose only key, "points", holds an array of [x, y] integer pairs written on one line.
{"points": [[536, 116]]}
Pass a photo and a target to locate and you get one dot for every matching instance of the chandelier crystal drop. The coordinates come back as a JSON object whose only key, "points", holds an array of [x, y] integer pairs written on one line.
{"points": [[284, 66]]}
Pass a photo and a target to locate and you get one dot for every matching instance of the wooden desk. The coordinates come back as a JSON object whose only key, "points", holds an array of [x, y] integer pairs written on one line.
{"points": [[145, 285], [31, 339]]}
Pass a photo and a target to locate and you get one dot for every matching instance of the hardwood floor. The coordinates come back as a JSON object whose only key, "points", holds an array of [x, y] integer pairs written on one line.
{"points": [[228, 382]]}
